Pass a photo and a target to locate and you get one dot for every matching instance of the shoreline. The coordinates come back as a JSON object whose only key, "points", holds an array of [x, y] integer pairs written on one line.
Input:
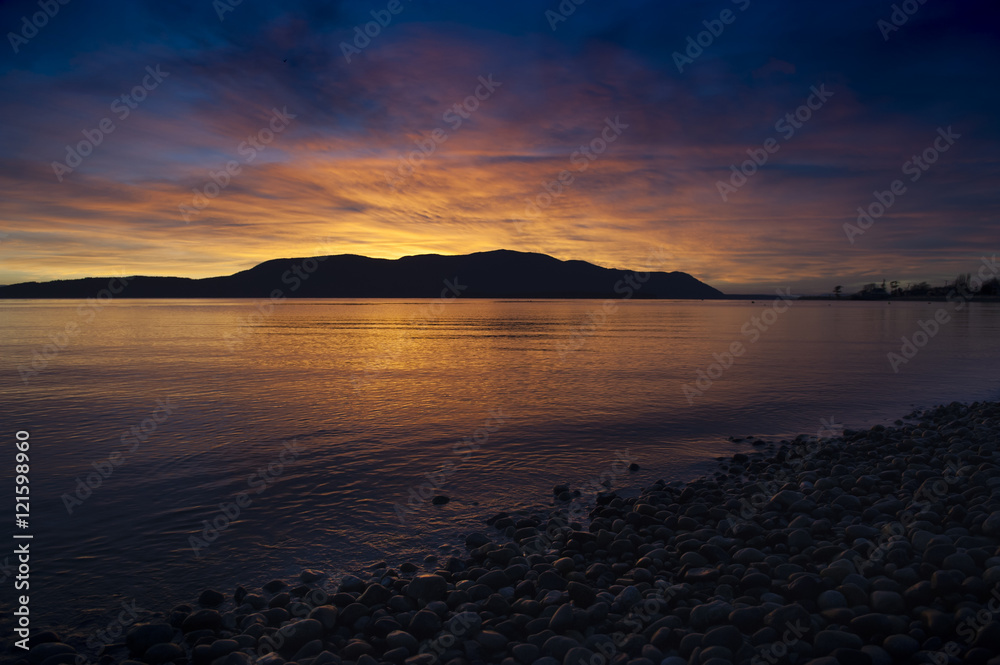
{"points": [[874, 546]]}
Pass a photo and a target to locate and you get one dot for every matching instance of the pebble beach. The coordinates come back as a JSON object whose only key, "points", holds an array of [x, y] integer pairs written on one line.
{"points": [[874, 547]]}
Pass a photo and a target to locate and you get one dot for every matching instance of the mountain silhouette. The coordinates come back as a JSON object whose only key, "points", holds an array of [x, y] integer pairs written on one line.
{"points": [[495, 274]]}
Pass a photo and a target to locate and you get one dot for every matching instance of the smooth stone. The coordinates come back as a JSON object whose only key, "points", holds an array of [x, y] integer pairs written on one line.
{"points": [[900, 647], [310, 575], [211, 598], [201, 620], [464, 623], [399, 639], [748, 555], [492, 641], [729, 637], [426, 588], [831, 599], [827, 641], [476, 539], [887, 602], [326, 615], [581, 594], [558, 646], [44, 651], [165, 652], [708, 614], [562, 619], [220, 648], [144, 635], [878, 655], [424, 623], [375, 594], [309, 651]]}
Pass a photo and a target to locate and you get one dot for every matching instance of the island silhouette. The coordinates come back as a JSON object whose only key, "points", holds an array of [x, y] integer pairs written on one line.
{"points": [[493, 274]]}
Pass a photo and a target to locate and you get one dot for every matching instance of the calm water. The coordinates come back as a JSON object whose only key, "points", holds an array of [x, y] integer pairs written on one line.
{"points": [[376, 394]]}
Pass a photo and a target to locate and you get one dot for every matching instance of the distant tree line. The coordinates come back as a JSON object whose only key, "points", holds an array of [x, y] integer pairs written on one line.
{"points": [[894, 289]]}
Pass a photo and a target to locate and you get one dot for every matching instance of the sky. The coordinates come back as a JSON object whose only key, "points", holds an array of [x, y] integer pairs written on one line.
{"points": [[736, 138]]}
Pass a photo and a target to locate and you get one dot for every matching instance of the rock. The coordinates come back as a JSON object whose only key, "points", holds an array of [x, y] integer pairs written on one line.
{"points": [[220, 648], [270, 659], [234, 658], [581, 594], [495, 579], [748, 555], [991, 525], [747, 619], [558, 646], [427, 588], [309, 575], [464, 624], [827, 641], [211, 598], [440, 500], [46, 650], [723, 636], [326, 615], [492, 641], [787, 615], [165, 652], [805, 587], [399, 639], [887, 602], [551, 580], [375, 594], [988, 637], [144, 635], [274, 586], [424, 624], [526, 654], [831, 599], [578, 655], [709, 614], [871, 624], [202, 619], [298, 634], [476, 539], [900, 647]]}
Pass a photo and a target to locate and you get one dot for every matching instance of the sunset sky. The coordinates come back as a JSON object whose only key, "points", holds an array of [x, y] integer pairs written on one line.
{"points": [[329, 181]]}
